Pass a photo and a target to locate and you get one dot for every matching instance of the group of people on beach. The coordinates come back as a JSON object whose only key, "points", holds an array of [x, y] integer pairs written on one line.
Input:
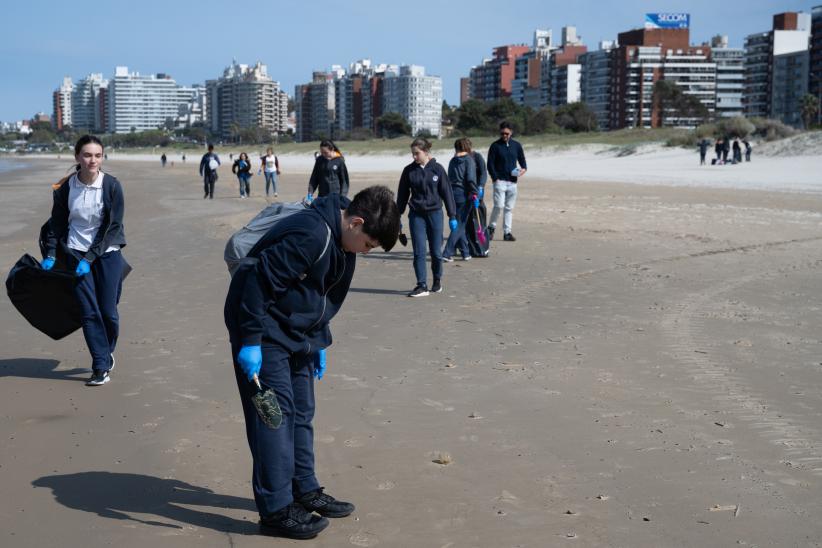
{"points": [[284, 294], [722, 148]]}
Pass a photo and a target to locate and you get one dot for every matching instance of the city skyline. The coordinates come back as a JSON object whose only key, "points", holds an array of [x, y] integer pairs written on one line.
{"points": [[34, 58]]}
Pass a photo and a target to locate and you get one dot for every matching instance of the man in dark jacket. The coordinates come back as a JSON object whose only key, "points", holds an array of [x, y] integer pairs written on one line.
{"points": [[208, 171], [503, 157], [278, 308]]}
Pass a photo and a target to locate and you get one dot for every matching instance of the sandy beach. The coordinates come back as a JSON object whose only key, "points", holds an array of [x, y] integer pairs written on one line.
{"points": [[642, 368]]}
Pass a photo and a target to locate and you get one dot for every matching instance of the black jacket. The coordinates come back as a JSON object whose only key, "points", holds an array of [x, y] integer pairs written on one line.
{"points": [[503, 158], [204, 161], [329, 176], [425, 189], [290, 294], [482, 170], [241, 171], [462, 172], [111, 230]]}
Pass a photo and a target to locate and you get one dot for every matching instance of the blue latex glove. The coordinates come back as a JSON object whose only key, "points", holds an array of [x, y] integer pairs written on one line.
{"points": [[453, 224], [481, 192], [319, 364], [250, 360], [475, 200], [309, 198], [83, 268], [48, 263]]}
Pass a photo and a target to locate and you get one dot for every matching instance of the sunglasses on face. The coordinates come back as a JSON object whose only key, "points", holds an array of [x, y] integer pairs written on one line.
{"points": [[505, 134]]}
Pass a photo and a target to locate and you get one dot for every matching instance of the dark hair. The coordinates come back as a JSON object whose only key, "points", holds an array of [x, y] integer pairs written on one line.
{"points": [[378, 208], [421, 143], [462, 145], [85, 140], [210, 147], [505, 125], [328, 143], [469, 146]]}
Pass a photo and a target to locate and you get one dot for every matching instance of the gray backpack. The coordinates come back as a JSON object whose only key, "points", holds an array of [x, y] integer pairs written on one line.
{"points": [[241, 242]]}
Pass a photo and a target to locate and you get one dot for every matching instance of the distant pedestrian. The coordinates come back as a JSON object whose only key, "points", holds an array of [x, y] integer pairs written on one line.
{"points": [[726, 148], [208, 171], [424, 188], [163, 159], [506, 164], [462, 175], [703, 150], [329, 174], [737, 149], [86, 233], [271, 168], [718, 146], [242, 168], [747, 150], [184, 158]]}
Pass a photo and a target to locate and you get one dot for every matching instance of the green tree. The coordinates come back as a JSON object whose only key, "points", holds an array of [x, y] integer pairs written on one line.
{"points": [[672, 102], [471, 117], [576, 117], [392, 124], [809, 110], [542, 121]]}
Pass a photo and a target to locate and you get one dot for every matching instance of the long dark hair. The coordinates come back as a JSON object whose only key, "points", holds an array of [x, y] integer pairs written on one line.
{"points": [[83, 141], [328, 143]]}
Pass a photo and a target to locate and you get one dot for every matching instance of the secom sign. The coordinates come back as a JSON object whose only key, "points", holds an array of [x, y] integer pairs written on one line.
{"points": [[667, 20]]}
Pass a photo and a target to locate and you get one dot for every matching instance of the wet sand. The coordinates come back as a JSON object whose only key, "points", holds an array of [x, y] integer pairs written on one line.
{"points": [[642, 368]]}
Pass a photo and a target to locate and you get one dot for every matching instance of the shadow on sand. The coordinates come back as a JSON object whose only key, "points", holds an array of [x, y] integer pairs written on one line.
{"points": [[115, 496], [378, 291], [35, 368]]}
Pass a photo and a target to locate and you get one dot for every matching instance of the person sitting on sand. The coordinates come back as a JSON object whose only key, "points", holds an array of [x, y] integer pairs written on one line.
{"points": [[277, 313]]}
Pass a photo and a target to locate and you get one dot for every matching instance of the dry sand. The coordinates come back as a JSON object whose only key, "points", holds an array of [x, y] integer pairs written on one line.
{"points": [[643, 368]]}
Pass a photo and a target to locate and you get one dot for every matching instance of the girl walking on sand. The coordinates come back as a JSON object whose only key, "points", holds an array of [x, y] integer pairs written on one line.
{"points": [[329, 174], [242, 167], [86, 232], [271, 168]]}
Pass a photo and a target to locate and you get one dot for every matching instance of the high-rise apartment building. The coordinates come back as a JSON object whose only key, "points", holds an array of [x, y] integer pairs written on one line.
{"points": [[140, 103], [532, 72], [776, 68], [492, 80], [245, 97], [315, 107], [730, 77], [595, 82], [417, 97], [85, 103], [815, 70], [62, 104]]}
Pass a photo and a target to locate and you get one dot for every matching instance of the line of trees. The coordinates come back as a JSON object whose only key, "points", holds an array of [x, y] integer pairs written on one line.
{"points": [[475, 117]]}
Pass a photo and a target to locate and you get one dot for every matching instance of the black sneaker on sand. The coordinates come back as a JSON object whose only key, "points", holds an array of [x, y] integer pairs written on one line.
{"points": [[437, 287], [420, 291], [293, 522], [509, 237], [325, 505], [98, 378], [491, 229]]}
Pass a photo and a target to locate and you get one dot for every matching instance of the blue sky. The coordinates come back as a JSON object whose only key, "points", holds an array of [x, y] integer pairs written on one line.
{"points": [[43, 40]]}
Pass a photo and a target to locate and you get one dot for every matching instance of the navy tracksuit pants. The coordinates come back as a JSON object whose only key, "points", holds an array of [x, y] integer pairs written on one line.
{"points": [[98, 293], [283, 458]]}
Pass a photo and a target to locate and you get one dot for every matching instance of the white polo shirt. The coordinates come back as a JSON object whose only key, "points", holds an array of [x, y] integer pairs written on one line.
{"points": [[85, 204]]}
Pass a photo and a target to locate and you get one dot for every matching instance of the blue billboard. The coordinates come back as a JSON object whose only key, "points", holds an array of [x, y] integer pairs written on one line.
{"points": [[667, 20]]}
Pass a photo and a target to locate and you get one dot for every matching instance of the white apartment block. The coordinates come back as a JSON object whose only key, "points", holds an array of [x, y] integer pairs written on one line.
{"points": [[140, 103], [416, 97], [730, 78], [85, 103], [62, 104]]}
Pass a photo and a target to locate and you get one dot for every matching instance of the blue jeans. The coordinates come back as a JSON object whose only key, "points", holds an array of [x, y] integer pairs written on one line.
{"points": [[426, 227], [457, 237], [98, 293], [270, 180], [245, 186], [283, 459]]}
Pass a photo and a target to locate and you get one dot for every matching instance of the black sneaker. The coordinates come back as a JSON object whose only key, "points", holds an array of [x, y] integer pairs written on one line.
{"points": [[437, 287], [325, 505], [98, 378], [420, 291], [293, 522], [509, 237]]}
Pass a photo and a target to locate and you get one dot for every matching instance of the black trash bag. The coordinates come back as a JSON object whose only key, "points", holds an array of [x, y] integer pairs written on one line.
{"points": [[476, 232], [44, 297]]}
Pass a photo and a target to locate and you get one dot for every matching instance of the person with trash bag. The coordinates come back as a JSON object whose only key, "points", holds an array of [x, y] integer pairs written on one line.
{"points": [[462, 175], [208, 171], [329, 174], [424, 188], [506, 164], [86, 233], [279, 305], [242, 168], [476, 229]]}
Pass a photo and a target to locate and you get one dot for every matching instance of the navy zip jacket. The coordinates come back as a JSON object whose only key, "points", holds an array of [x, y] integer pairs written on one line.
{"points": [[462, 172], [425, 189], [329, 176], [482, 171], [111, 230], [503, 158], [204, 169], [289, 295]]}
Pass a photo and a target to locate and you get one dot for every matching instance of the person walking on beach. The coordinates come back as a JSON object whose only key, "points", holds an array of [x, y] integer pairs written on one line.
{"points": [[86, 231], [163, 159], [503, 156], [184, 158], [703, 150], [208, 171], [270, 166], [424, 188], [718, 150], [726, 148], [329, 173], [277, 312], [242, 168], [737, 149], [747, 150], [462, 175]]}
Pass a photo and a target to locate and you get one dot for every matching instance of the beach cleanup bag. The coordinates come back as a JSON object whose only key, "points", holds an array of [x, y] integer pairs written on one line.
{"points": [[213, 164], [241, 242]]}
